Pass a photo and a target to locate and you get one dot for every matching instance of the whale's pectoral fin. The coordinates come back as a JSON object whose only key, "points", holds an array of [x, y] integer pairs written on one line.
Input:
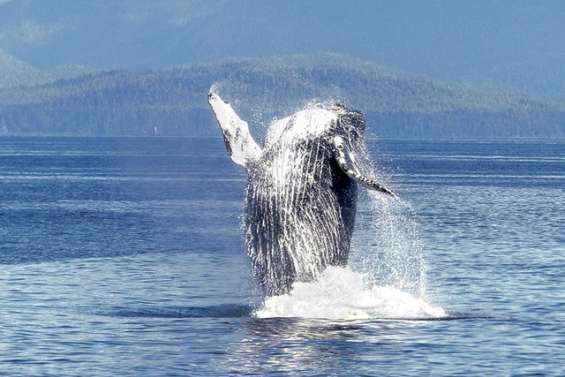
{"points": [[239, 142], [347, 162]]}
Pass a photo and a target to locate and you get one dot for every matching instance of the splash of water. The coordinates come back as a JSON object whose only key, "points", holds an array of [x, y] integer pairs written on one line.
{"points": [[341, 293], [388, 250]]}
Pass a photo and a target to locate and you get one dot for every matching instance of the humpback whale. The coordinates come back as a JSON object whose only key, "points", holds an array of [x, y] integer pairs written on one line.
{"points": [[301, 192]]}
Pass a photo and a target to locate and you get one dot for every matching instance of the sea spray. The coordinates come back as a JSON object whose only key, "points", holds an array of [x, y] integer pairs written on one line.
{"points": [[341, 293], [387, 247]]}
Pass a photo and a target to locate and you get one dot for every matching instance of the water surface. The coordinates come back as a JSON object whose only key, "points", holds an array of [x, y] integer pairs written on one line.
{"points": [[124, 257]]}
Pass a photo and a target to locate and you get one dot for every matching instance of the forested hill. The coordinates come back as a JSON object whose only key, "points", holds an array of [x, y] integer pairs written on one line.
{"points": [[173, 101]]}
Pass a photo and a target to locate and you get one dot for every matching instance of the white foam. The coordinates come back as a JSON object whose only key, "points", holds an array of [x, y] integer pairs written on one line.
{"points": [[341, 293]]}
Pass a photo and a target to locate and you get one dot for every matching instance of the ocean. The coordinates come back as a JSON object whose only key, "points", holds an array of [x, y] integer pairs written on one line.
{"points": [[124, 257]]}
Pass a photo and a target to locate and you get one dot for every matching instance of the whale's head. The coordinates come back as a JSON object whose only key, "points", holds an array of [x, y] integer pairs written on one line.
{"points": [[349, 126], [317, 122], [334, 128]]}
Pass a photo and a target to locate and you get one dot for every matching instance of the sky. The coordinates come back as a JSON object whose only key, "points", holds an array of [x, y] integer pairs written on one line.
{"points": [[513, 44]]}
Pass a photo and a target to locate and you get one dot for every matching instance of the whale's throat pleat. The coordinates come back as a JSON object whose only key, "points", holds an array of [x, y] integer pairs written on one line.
{"points": [[295, 222]]}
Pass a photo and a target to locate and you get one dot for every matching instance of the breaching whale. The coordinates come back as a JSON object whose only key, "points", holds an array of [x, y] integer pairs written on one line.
{"points": [[301, 192]]}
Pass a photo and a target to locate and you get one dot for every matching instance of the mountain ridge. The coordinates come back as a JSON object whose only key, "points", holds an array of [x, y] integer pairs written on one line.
{"points": [[397, 104]]}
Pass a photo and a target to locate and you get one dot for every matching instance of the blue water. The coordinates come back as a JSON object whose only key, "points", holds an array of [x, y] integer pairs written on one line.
{"points": [[123, 257]]}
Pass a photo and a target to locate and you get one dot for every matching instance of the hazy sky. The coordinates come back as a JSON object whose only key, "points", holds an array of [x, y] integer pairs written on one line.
{"points": [[518, 44]]}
